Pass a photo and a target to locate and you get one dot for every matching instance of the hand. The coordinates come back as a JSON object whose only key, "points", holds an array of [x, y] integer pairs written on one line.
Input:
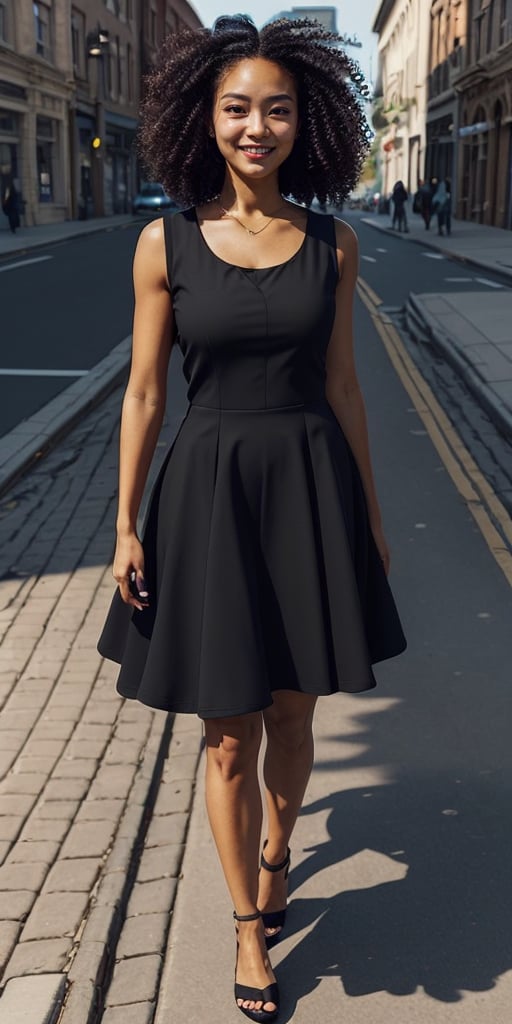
{"points": [[382, 547], [129, 559]]}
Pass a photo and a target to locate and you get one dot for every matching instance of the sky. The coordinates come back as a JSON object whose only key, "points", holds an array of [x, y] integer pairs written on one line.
{"points": [[354, 19]]}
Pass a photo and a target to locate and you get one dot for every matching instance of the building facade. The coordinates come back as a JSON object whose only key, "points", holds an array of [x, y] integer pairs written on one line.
{"points": [[448, 54], [403, 27], [103, 117], [484, 87], [36, 91], [70, 80]]}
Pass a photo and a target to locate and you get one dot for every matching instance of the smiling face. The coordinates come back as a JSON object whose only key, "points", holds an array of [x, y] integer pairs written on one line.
{"points": [[255, 117]]}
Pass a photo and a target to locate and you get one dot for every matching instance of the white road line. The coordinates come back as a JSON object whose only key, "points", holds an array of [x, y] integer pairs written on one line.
{"points": [[381, 250], [11, 372], [458, 280], [490, 284], [24, 263], [369, 259], [433, 255]]}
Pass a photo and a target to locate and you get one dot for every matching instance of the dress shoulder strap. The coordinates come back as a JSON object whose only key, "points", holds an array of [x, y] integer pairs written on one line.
{"points": [[177, 242], [323, 229], [321, 226]]}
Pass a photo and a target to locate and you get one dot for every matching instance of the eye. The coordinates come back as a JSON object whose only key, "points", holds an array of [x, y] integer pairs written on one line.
{"points": [[235, 108], [280, 110]]}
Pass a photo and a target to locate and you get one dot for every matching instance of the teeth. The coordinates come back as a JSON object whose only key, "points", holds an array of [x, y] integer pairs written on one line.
{"points": [[256, 149]]}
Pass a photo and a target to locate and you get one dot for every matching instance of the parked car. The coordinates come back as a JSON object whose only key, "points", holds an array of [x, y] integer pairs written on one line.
{"points": [[152, 198]]}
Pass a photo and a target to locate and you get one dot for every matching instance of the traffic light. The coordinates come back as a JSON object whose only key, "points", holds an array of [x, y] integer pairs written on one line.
{"points": [[96, 143]]}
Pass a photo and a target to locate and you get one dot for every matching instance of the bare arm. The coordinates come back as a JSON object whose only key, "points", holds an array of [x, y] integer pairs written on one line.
{"points": [[342, 386], [145, 396]]}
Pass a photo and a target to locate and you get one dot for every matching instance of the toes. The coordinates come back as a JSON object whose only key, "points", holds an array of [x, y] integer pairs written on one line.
{"points": [[249, 1004]]}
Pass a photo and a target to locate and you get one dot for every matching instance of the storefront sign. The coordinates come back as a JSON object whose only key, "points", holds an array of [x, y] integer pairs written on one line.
{"points": [[474, 129]]}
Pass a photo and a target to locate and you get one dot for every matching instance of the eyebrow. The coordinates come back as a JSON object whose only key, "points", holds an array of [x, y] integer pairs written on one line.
{"points": [[247, 99]]}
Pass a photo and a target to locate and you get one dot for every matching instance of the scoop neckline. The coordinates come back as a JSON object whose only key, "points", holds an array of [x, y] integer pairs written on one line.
{"points": [[255, 270]]}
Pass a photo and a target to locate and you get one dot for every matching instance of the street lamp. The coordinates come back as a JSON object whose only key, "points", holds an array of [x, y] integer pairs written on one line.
{"points": [[97, 49], [97, 42]]}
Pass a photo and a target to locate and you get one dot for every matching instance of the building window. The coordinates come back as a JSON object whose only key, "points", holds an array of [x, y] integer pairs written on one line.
{"points": [[120, 58], [129, 71], [78, 42], [43, 30], [490, 25], [6, 33], [505, 21], [478, 36], [46, 136]]}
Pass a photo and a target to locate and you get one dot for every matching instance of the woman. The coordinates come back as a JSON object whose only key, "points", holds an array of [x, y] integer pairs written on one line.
{"points": [[261, 581]]}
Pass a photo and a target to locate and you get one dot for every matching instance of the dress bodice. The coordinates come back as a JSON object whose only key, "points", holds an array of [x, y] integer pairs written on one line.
{"points": [[252, 339]]}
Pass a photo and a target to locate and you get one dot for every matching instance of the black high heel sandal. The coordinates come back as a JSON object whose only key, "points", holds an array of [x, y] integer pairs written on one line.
{"points": [[270, 994], [275, 918]]}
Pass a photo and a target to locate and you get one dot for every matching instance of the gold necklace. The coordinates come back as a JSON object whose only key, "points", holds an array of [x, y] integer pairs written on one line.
{"points": [[244, 226]]}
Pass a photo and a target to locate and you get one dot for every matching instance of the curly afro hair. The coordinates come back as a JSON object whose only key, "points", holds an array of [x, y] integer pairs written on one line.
{"points": [[174, 142]]}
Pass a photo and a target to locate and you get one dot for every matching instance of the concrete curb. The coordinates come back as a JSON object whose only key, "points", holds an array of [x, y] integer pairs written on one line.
{"points": [[499, 413], [491, 268], [31, 439]]}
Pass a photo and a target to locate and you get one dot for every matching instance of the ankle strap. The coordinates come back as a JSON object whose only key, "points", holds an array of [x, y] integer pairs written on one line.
{"points": [[247, 917], [275, 867]]}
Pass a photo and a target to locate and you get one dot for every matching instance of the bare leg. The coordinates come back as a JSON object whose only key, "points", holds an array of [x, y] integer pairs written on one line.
{"points": [[286, 769], [233, 801]]}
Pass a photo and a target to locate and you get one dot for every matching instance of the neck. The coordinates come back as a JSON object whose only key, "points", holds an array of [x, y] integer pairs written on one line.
{"points": [[250, 197]]}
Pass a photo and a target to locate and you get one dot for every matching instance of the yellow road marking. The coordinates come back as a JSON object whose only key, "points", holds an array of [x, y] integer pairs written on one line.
{"points": [[466, 475]]}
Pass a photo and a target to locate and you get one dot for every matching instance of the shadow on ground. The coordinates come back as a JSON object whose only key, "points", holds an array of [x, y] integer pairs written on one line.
{"points": [[444, 827]]}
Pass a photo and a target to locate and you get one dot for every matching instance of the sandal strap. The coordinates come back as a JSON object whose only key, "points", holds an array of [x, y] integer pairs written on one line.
{"points": [[276, 867], [270, 994], [247, 917]]}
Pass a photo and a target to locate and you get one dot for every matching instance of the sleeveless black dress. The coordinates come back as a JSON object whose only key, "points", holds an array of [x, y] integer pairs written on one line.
{"points": [[262, 570]]}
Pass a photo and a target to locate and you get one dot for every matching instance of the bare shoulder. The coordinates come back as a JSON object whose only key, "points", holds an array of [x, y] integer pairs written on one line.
{"points": [[347, 245], [149, 261], [346, 238]]}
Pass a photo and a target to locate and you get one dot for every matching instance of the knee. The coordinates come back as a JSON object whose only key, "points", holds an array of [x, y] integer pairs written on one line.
{"points": [[291, 729], [233, 744]]}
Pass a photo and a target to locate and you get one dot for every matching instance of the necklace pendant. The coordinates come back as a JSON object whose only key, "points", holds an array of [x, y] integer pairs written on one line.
{"points": [[249, 232]]}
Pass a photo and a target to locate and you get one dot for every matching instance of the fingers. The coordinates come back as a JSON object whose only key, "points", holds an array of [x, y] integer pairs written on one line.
{"points": [[133, 590]]}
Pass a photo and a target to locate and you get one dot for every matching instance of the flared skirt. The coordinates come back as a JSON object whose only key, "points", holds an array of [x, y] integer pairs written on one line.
{"points": [[261, 566]]}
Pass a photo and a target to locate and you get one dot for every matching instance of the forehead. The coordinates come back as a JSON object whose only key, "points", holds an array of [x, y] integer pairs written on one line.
{"points": [[257, 76]]}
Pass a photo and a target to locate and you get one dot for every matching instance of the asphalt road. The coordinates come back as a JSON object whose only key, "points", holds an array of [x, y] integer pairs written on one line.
{"points": [[394, 267], [63, 308]]}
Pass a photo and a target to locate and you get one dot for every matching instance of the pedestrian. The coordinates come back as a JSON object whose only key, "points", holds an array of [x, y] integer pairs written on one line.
{"points": [[10, 206], [399, 198], [442, 205], [260, 582], [423, 202]]}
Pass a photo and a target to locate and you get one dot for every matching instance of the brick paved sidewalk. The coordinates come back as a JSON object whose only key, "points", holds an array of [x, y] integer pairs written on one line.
{"points": [[79, 766]]}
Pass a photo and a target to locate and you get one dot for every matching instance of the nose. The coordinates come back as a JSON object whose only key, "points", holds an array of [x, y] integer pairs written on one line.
{"points": [[257, 126]]}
